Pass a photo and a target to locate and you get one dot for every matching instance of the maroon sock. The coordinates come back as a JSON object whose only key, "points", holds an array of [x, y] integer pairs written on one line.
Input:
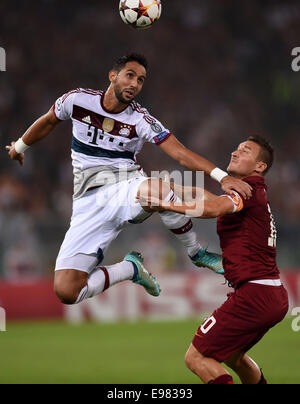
{"points": [[224, 379]]}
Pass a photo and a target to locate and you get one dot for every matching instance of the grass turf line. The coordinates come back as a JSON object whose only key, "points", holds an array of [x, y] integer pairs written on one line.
{"points": [[125, 353]]}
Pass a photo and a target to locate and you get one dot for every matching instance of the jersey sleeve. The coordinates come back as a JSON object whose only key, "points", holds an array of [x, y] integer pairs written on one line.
{"points": [[151, 130], [63, 106]]}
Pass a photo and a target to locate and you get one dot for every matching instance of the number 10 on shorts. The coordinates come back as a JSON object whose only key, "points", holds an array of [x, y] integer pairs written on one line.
{"points": [[208, 324]]}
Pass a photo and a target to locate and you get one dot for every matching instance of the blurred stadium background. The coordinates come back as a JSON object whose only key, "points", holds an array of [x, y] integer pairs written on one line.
{"points": [[219, 72]]}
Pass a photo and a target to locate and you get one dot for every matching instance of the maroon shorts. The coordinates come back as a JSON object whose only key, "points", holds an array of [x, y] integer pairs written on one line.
{"points": [[242, 320]]}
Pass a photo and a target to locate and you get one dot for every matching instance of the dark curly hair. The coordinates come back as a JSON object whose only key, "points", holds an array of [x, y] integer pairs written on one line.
{"points": [[132, 57]]}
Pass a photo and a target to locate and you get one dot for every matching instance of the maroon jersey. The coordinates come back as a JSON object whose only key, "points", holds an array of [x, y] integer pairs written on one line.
{"points": [[248, 238]]}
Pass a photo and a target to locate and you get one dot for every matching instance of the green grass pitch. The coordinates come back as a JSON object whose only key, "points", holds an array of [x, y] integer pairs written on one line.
{"points": [[126, 353]]}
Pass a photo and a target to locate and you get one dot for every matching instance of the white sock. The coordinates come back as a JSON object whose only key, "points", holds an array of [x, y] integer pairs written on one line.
{"points": [[102, 278], [181, 226]]}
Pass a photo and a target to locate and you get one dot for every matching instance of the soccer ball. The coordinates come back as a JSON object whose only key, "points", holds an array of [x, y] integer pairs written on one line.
{"points": [[140, 14]]}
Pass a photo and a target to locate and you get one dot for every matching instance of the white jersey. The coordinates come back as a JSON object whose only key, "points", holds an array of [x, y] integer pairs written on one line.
{"points": [[102, 138]]}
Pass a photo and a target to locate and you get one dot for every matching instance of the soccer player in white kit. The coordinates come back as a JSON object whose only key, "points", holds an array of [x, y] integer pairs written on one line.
{"points": [[109, 130]]}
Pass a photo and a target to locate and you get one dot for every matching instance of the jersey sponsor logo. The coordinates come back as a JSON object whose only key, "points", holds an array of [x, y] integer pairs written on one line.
{"points": [[98, 136]]}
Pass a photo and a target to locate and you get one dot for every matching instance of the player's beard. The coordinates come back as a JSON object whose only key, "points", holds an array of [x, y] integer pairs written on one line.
{"points": [[119, 95]]}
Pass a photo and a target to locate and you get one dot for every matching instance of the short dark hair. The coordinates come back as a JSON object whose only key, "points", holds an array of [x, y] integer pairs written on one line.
{"points": [[266, 151], [131, 57]]}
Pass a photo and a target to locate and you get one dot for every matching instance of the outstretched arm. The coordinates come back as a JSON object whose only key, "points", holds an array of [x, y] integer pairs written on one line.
{"points": [[206, 207], [194, 162], [190, 194], [37, 131]]}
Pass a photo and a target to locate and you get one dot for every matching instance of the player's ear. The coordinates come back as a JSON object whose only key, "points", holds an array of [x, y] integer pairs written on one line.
{"points": [[261, 167], [112, 75]]}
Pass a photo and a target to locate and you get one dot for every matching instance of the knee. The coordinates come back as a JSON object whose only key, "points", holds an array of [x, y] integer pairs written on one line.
{"points": [[68, 284], [65, 295]]}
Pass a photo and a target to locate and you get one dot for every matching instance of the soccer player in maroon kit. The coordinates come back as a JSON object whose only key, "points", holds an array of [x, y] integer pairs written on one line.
{"points": [[248, 240]]}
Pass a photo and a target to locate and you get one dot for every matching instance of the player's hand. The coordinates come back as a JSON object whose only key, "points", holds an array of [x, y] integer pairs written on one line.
{"points": [[230, 184], [13, 154]]}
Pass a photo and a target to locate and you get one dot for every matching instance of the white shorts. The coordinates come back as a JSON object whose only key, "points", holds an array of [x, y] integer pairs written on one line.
{"points": [[97, 219]]}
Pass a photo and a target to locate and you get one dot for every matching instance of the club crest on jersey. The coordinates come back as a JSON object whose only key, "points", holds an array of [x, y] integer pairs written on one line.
{"points": [[108, 124], [125, 130]]}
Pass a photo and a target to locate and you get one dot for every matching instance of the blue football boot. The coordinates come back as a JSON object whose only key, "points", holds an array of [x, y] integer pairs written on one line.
{"points": [[142, 276], [209, 260]]}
